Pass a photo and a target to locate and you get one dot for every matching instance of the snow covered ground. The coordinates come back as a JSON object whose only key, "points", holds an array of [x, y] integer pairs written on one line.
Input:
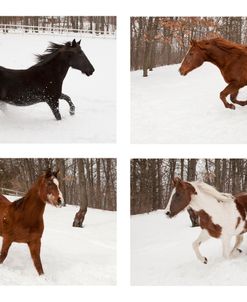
{"points": [[161, 254], [169, 108], [94, 97], [70, 256]]}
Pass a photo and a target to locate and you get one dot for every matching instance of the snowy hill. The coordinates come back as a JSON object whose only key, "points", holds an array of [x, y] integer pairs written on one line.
{"points": [[70, 256], [94, 97], [161, 254], [169, 108]]}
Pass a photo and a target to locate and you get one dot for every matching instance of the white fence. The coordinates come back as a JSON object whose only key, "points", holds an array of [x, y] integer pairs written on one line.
{"points": [[5, 191], [29, 29]]}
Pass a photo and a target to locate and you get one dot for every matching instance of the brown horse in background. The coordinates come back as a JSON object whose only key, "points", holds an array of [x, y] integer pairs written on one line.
{"points": [[22, 220], [229, 57]]}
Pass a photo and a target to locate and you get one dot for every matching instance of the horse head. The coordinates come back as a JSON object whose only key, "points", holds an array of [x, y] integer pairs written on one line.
{"points": [[77, 58], [49, 189], [180, 197], [193, 58]]}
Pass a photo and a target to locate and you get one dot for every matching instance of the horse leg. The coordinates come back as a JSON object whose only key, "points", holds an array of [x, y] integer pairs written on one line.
{"points": [[53, 104], [3, 106], [226, 244], [34, 247], [204, 236], [230, 89], [68, 100], [233, 98], [239, 240], [5, 248]]}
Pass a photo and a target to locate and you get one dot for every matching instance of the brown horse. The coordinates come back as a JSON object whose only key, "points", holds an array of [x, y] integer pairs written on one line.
{"points": [[22, 220], [229, 57]]}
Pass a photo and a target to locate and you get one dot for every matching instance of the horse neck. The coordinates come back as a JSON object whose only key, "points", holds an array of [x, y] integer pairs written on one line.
{"points": [[33, 205], [55, 68], [218, 57], [204, 201]]}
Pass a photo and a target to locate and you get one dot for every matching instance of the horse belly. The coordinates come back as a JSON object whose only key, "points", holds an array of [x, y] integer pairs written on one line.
{"points": [[23, 101], [22, 94]]}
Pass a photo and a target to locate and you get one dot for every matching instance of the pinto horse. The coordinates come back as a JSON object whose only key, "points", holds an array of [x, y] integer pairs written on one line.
{"points": [[43, 81], [221, 215], [229, 57], [22, 220]]}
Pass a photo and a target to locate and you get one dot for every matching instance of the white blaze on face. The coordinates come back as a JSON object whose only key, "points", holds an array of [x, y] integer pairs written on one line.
{"points": [[60, 195], [185, 55], [51, 198], [167, 209]]}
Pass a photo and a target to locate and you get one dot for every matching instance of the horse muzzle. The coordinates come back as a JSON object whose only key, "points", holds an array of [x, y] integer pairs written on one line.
{"points": [[60, 203], [182, 72], [90, 72]]}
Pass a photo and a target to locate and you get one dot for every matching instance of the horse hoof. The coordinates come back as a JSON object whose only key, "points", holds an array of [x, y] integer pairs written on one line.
{"points": [[239, 250], [231, 106], [72, 111], [205, 260]]}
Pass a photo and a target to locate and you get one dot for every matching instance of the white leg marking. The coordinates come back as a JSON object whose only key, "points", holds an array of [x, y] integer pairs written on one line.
{"points": [[226, 244], [239, 240], [204, 236]]}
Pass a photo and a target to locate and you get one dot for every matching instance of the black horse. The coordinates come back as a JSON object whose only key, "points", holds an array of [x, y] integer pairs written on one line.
{"points": [[43, 81]]}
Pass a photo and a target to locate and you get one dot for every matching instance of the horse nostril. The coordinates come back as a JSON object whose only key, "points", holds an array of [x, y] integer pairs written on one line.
{"points": [[59, 201], [168, 213]]}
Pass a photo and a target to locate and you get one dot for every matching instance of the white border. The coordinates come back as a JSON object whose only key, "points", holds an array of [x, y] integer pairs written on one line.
{"points": [[123, 150]]}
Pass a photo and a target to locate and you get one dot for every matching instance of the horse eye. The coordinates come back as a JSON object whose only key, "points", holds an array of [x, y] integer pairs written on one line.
{"points": [[191, 54]]}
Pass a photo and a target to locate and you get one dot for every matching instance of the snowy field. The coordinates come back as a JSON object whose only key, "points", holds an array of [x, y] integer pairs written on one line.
{"points": [[70, 256], [94, 97], [161, 254], [169, 108]]}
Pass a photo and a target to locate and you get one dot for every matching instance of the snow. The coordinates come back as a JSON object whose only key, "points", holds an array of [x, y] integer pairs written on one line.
{"points": [[94, 97], [70, 256], [162, 254], [169, 108]]}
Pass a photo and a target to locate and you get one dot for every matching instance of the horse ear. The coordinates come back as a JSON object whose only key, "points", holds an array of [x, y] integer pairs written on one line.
{"points": [[56, 173], [48, 173], [176, 181], [74, 43], [79, 42], [193, 42]]}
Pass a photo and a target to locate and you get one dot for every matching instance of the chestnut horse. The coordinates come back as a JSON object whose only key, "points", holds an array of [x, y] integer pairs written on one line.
{"points": [[22, 220], [221, 215], [229, 57]]}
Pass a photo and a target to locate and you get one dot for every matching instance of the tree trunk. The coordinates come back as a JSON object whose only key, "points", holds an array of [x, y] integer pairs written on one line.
{"points": [[80, 215]]}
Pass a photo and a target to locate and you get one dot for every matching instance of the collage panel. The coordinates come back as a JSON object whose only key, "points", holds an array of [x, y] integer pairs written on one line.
{"points": [[188, 219], [188, 78], [58, 221], [58, 79]]}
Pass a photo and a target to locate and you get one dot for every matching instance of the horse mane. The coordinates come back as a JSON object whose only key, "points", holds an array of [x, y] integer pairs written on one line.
{"points": [[210, 190], [19, 202], [226, 45], [50, 52]]}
